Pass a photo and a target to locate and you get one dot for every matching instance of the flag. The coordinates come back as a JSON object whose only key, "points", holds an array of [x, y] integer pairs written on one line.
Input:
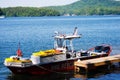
{"points": [[19, 52]]}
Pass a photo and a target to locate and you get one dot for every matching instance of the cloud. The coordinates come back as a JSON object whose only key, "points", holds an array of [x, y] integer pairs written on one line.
{"points": [[34, 3]]}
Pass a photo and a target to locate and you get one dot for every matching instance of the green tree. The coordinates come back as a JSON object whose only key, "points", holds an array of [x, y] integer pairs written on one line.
{"points": [[1, 12], [29, 11]]}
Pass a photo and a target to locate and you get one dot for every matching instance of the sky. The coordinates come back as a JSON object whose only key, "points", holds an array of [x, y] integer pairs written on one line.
{"points": [[34, 3]]}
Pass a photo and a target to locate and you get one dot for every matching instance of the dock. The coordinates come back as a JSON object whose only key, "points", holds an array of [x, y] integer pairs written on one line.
{"points": [[97, 62]]}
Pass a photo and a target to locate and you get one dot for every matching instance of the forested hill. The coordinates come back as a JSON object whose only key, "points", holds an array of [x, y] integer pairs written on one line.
{"points": [[28, 12], [81, 7], [91, 7]]}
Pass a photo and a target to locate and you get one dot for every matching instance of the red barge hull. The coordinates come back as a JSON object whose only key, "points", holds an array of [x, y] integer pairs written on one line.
{"points": [[55, 67]]}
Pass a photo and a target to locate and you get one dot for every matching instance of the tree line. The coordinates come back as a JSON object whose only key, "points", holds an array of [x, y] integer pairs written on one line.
{"points": [[28, 12], [95, 11], [82, 7], [1, 12], [91, 7]]}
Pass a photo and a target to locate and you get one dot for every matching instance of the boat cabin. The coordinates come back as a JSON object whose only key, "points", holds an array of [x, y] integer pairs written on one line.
{"points": [[63, 42]]}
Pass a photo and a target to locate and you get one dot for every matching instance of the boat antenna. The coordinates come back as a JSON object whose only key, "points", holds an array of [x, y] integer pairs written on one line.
{"points": [[75, 31]]}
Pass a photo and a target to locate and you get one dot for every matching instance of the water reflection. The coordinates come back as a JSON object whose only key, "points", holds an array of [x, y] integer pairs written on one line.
{"points": [[40, 77]]}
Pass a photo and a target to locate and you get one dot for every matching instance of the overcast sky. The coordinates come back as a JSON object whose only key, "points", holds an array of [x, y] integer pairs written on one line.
{"points": [[34, 3]]}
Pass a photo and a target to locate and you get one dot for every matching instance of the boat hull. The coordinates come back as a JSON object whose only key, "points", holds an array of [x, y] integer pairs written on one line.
{"points": [[54, 67]]}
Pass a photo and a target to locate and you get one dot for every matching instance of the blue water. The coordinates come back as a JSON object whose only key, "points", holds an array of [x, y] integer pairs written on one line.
{"points": [[36, 33]]}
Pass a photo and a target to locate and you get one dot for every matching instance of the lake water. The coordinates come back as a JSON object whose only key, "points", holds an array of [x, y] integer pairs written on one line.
{"points": [[35, 33]]}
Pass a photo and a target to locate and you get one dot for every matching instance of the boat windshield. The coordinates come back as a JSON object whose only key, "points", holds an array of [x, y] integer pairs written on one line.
{"points": [[102, 48], [60, 43], [98, 48]]}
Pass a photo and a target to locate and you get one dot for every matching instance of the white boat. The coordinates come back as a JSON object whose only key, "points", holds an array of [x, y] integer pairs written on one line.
{"points": [[1, 17]]}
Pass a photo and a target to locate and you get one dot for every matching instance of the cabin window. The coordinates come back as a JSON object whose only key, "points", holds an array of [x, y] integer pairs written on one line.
{"points": [[60, 43]]}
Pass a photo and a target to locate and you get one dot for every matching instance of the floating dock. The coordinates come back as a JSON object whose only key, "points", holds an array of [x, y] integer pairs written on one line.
{"points": [[93, 63]]}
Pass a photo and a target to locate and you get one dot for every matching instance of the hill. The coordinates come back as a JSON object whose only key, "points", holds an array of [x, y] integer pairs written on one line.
{"points": [[82, 7], [91, 7]]}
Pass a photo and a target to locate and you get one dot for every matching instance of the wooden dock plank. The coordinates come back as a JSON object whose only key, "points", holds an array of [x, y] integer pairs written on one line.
{"points": [[98, 61]]}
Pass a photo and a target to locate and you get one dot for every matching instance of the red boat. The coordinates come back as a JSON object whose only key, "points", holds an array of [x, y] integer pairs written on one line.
{"points": [[57, 60]]}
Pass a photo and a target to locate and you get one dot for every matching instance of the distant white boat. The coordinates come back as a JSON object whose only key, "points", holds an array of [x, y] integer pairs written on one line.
{"points": [[2, 16]]}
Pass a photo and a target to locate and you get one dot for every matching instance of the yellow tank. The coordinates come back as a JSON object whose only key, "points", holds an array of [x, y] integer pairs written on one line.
{"points": [[40, 53], [50, 51], [45, 53], [15, 60]]}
